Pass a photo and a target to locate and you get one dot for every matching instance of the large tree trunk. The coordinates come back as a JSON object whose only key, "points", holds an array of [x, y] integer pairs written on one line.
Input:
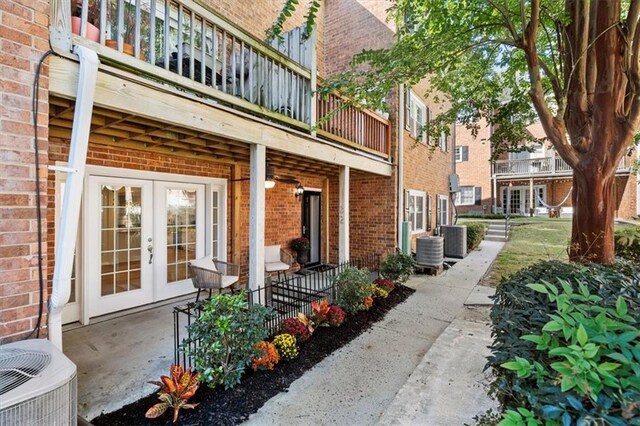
{"points": [[594, 205]]}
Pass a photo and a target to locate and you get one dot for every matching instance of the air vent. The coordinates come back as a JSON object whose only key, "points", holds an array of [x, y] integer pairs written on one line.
{"points": [[18, 366]]}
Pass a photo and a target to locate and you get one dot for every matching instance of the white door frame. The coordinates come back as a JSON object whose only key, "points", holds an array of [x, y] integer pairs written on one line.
{"points": [[163, 289], [212, 185], [95, 304]]}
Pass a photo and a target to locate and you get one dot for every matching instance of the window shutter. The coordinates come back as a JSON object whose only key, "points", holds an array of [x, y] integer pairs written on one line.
{"points": [[407, 109], [438, 212], [465, 153], [429, 210], [478, 194], [426, 125], [406, 206]]}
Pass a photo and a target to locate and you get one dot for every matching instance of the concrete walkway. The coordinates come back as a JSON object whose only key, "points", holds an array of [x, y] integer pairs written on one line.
{"points": [[384, 376]]}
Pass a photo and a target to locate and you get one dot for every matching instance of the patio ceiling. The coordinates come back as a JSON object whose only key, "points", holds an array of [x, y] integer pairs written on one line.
{"points": [[114, 128]]}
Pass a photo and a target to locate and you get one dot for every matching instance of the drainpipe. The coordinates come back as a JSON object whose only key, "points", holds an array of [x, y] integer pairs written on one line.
{"points": [[400, 124], [70, 213]]}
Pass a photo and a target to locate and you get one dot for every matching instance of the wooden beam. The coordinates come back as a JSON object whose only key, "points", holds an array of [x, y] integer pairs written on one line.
{"points": [[117, 93]]}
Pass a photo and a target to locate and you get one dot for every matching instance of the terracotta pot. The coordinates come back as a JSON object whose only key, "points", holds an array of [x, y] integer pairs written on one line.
{"points": [[126, 48], [93, 32]]}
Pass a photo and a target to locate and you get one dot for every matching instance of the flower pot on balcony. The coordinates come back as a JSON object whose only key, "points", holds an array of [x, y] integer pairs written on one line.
{"points": [[126, 48], [93, 32], [302, 257]]}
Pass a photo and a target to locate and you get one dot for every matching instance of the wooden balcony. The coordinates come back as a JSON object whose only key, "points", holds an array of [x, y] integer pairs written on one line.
{"points": [[185, 44], [547, 166], [359, 128]]}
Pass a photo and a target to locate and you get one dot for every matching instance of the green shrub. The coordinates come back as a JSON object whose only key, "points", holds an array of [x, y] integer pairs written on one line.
{"points": [[398, 267], [224, 337], [628, 243], [354, 290], [475, 234], [553, 355]]}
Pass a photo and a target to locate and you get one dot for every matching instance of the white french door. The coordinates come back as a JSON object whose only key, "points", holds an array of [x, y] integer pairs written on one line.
{"points": [[179, 225], [118, 244], [139, 236]]}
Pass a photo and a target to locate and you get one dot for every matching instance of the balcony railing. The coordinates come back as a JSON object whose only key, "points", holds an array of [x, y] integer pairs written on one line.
{"points": [[352, 126], [541, 166], [162, 38]]}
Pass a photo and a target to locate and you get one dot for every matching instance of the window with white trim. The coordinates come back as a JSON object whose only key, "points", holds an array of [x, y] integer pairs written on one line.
{"points": [[415, 116], [442, 211], [466, 196], [461, 153], [416, 207]]}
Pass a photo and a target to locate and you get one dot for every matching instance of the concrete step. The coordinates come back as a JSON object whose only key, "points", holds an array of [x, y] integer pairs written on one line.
{"points": [[495, 238]]}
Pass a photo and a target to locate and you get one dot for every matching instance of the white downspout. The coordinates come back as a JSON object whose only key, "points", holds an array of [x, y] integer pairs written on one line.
{"points": [[70, 212], [400, 162]]}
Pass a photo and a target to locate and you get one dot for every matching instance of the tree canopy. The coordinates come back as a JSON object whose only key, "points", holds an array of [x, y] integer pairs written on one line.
{"points": [[572, 64]]}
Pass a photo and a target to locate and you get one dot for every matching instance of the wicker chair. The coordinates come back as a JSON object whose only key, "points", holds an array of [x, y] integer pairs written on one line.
{"points": [[277, 260], [210, 274]]}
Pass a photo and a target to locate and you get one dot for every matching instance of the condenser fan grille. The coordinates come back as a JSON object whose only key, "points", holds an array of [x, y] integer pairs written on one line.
{"points": [[18, 366]]}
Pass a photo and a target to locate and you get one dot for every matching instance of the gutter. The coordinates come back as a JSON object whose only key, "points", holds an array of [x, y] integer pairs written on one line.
{"points": [[70, 212]]}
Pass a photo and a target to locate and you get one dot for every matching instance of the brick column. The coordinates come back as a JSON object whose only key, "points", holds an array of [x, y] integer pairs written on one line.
{"points": [[23, 41]]}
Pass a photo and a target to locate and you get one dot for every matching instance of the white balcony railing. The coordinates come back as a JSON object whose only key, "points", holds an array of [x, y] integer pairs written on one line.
{"points": [[542, 166]]}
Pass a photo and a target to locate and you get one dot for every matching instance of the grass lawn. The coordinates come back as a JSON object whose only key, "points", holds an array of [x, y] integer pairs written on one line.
{"points": [[532, 241], [528, 244]]}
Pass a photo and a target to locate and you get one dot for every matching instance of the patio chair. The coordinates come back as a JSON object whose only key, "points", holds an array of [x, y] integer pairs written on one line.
{"points": [[277, 260], [207, 273]]}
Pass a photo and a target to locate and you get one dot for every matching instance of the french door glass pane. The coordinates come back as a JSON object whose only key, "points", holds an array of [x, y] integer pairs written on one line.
{"points": [[181, 232], [120, 243]]}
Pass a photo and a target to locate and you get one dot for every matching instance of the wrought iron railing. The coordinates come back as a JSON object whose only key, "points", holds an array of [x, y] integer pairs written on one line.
{"points": [[286, 297]]}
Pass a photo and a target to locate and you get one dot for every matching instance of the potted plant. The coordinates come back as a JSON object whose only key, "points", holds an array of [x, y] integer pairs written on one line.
{"points": [[301, 246], [93, 19]]}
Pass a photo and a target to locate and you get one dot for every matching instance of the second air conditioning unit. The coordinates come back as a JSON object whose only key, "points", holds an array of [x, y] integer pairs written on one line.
{"points": [[455, 240]]}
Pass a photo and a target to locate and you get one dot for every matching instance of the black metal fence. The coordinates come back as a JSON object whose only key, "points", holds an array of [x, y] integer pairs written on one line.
{"points": [[286, 297]]}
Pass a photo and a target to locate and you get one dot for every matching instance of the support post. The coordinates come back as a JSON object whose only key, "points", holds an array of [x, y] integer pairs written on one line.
{"points": [[531, 198], [258, 157], [60, 25], [343, 231], [495, 195]]}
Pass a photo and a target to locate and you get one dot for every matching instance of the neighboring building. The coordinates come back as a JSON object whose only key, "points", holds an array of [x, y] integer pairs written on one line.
{"points": [[537, 182], [183, 136], [423, 189]]}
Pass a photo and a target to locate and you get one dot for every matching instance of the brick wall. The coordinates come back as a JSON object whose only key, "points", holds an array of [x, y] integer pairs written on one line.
{"points": [[354, 25], [23, 40], [476, 171]]}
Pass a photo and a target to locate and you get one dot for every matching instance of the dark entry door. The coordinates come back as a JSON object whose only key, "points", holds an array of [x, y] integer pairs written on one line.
{"points": [[311, 223]]}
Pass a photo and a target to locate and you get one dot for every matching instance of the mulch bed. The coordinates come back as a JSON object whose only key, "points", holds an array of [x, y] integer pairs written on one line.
{"points": [[235, 405]]}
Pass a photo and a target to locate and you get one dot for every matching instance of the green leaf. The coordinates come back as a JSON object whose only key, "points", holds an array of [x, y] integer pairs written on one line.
{"points": [[608, 366], [581, 335], [540, 288], [621, 306], [552, 326]]}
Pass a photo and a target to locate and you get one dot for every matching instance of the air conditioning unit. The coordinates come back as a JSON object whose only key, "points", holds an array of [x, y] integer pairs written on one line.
{"points": [[430, 251], [38, 385], [455, 240]]}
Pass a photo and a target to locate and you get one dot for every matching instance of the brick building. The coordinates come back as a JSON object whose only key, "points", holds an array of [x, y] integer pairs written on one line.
{"points": [[528, 182], [182, 136]]}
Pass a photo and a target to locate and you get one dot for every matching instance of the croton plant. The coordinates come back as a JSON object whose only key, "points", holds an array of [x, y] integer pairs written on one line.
{"points": [[175, 391]]}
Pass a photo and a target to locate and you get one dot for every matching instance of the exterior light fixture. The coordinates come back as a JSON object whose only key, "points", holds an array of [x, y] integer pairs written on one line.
{"points": [[269, 183], [299, 191]]}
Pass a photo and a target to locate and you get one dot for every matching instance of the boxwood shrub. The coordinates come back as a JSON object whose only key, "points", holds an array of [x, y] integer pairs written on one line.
{"points": [[475, 234], [628, 243], [523, 372]]}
